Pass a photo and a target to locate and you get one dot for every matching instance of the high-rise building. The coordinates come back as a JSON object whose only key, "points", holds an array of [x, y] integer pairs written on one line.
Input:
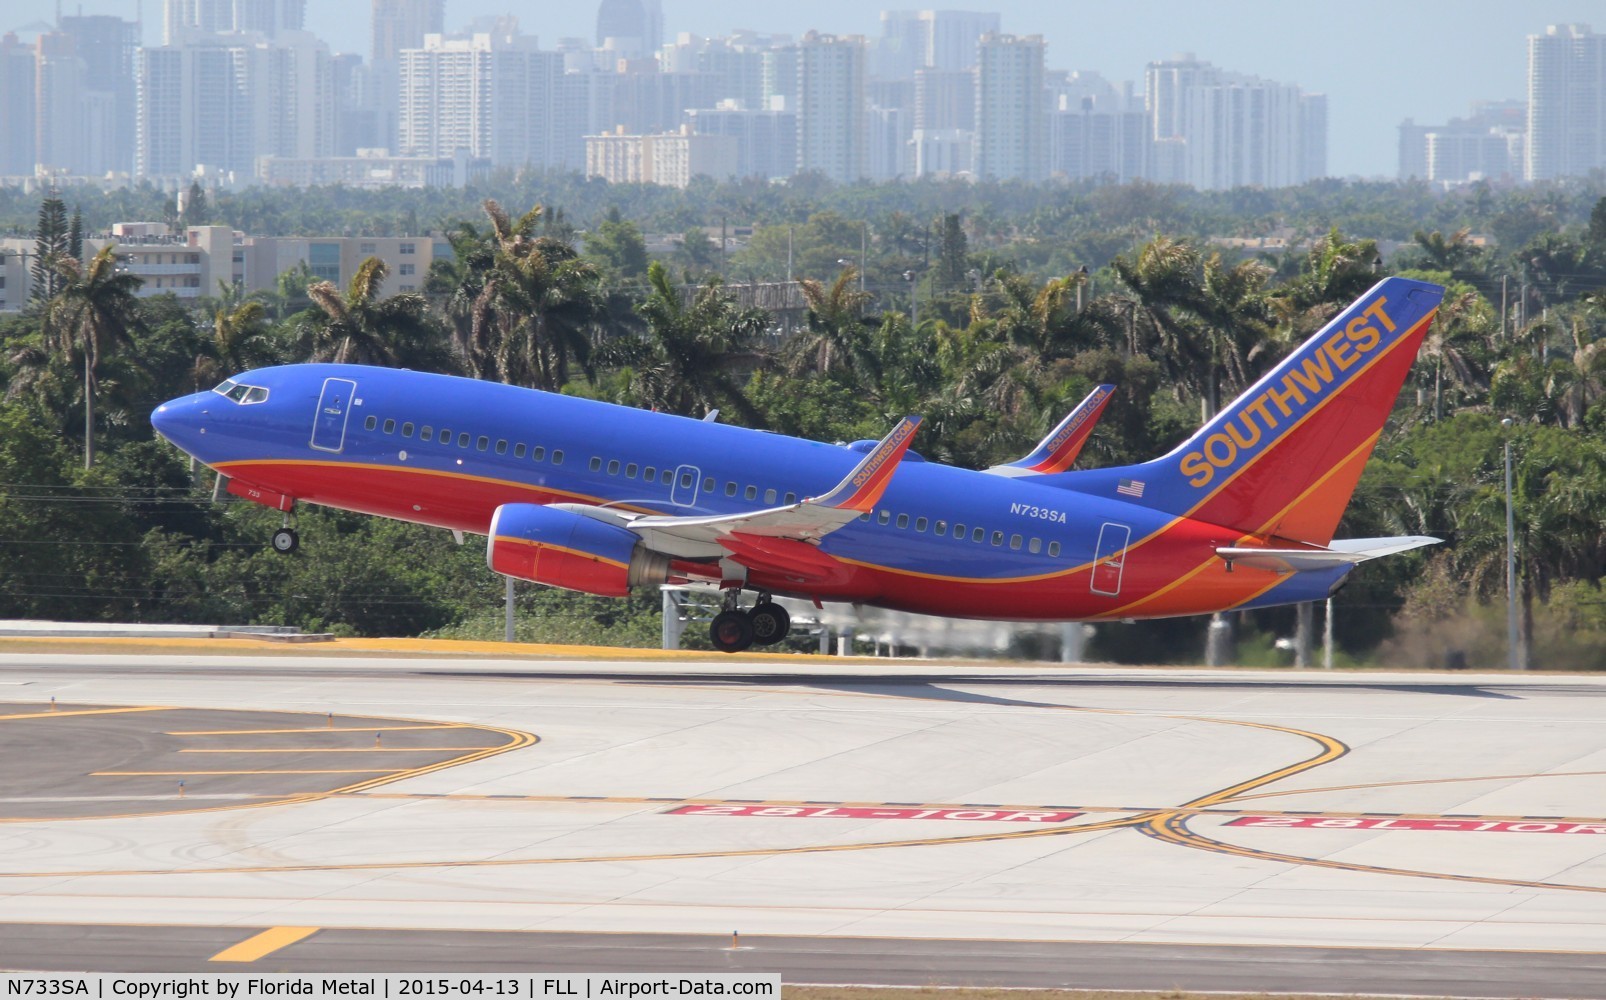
{"points": [[17, 106], [106, 46], [1216, 130], [831, 106], [495, 96], [945, 99], [1566, 102], [220, 102], [622, 27], [766, 141], [1486, 144], [779, 80], [182, 19], [671, 158], [1096, 130], [397, 25], [1011, 123], [952, 36]]}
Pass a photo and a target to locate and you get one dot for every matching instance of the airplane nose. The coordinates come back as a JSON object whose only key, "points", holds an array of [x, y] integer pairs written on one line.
{"points": [[180, 420]]}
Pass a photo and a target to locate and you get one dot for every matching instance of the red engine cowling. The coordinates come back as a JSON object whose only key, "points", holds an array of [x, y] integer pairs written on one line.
{"points": [[563, 549]]}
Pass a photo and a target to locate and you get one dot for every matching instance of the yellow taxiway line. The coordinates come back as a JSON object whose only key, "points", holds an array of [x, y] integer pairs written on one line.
{"points": [[266, 943]]}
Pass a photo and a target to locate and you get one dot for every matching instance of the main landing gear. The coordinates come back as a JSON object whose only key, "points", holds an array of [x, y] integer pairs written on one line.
{"points": [[734, 630]]}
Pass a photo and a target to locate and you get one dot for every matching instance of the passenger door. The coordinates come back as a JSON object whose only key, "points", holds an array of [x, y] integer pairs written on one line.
{"points": [[1109, 559], [334, 407]]}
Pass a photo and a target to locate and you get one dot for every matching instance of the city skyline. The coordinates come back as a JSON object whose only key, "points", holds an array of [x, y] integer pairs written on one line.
{"points": [[1378, 64]]}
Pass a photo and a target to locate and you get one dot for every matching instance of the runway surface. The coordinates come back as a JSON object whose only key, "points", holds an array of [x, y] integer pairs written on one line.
{"points": [[895, 824]]}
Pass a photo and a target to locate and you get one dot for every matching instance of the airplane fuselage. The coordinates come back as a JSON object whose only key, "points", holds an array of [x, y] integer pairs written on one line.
{"points": [[447, 451]]}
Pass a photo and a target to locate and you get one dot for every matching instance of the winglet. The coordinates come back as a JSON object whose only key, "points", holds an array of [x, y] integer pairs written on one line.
{"points": [[868, 480], [1056, 452]]}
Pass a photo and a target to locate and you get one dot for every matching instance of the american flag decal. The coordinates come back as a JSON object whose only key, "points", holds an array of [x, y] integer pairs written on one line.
{"points": [[1130, 487]]}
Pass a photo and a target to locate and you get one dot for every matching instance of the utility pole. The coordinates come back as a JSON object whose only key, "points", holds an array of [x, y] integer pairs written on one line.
{"points": [[1516, 657]]}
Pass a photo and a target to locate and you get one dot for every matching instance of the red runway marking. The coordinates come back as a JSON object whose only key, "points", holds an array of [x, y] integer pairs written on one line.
{"points": [[861, 812], [1458, 825]]}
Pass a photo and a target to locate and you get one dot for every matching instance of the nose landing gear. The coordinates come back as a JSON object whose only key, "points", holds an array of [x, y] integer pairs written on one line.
{"points": [[286, 540], [734, 630]]}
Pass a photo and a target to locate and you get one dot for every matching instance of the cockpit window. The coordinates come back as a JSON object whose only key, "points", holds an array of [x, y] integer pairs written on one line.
{"points": [[242, 393]]}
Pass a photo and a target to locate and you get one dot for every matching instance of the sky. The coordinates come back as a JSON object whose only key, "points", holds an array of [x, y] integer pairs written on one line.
{"points": [[1378, 62]]}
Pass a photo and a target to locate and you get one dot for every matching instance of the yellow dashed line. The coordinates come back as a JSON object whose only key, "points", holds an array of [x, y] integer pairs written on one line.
{"points": [[319, 729], [178, 774], [330, 749], [85, 711], [266, 943]]}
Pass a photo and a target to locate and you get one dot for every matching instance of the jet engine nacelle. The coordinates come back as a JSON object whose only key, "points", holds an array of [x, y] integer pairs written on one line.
{"points": [[562, 549]]}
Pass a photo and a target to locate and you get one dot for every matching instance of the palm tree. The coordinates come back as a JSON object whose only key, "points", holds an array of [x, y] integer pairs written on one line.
{"points": [[361, 327], [240, 341], [93, 315], [536, 313], [835, 338], [694, 353], [454, 285]]}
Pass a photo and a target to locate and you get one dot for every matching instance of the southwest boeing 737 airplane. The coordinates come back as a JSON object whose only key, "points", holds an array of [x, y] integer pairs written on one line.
{"points": [[601, 498]]}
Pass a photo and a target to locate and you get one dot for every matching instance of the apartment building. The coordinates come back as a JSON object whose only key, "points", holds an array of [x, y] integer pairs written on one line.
{"points": [[1566, 102]]}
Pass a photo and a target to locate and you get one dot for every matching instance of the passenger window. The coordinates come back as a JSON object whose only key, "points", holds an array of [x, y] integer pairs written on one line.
{"points": [[1014, 542], [941, 528], [483, 443], [959, 531], [462, 439], [407, 430], [865, 516], [596, 464], [769, 496], [685, 480], [998, 538], [1036, 546], [920, 524], [370, 423], [613, 467], [669, 478], [390, 426], [537, 453], [631, 470], [751, 493], [426, 433], [708, 484], [446, 436], [791, 497], [557, 457], [518, 450], [1053, 548], [884, 516], [730, 489], [903, 520], [649, 474], [978, 535], [501, 446]]}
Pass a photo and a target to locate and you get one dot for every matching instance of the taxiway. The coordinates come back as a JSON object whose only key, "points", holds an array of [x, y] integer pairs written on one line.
{"points": [[901, 824]]}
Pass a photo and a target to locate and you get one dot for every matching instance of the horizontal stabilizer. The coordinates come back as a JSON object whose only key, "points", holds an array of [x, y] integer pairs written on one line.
{"points": [[1057, 452], [1343, 552]]}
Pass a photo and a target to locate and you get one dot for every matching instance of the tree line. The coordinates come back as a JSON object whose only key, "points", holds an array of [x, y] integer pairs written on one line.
{"points": [[978, 320]]}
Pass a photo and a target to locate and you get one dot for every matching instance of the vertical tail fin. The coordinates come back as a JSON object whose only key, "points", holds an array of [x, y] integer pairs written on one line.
{"points": [[1283, 458]]}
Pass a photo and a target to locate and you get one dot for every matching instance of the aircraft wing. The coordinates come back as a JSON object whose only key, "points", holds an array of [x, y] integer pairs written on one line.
{"points": [[1348, 551], [764, 535], [1057, 451]]}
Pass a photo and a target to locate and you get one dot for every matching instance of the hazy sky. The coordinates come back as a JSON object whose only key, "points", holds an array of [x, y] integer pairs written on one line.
{"points": [[1378, 62]]}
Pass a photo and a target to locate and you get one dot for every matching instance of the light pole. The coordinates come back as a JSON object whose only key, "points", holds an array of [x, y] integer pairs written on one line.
{"points": [[1515, 658], [914, 306]]}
